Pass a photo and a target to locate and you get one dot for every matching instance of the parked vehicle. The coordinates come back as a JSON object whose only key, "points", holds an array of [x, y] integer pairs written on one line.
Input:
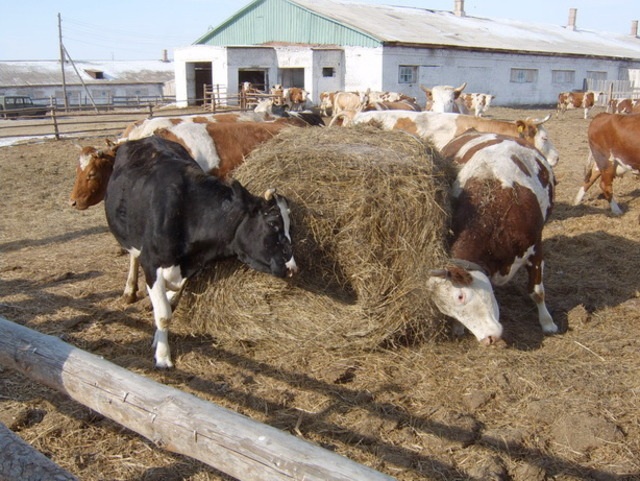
{"points": [[14, 106]]}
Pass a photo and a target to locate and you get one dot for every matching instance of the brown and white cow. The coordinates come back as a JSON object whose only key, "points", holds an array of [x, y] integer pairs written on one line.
{"points": [[577, 100], [296, 98], [502, 196], [348, 104], [624, 106], [477, 103], [614, 150], [203, 136], [444, 98], [440, 128], [326, 103], [146, 127], [396, 105]]}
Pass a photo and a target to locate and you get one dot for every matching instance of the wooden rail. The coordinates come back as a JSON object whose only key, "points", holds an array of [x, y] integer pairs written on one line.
{"points": [[174, 420]]}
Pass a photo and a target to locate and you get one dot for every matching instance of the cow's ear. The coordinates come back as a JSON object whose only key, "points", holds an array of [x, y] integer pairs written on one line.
{"points": [[521, 126]]}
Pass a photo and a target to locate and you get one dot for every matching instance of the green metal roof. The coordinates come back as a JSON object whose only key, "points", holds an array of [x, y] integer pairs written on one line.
{"points": [[263, 21]]}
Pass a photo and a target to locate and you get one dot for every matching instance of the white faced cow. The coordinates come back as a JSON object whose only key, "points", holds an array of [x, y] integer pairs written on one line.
{"points": [[503, 195], [444, 98], [165, 210], [614, 150]]}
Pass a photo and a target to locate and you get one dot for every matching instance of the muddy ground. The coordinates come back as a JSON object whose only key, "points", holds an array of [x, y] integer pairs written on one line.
{"points": [[564, 407]]}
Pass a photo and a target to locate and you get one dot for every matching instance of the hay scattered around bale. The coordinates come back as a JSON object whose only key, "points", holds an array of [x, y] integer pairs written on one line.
{"points": [[370, 214]]}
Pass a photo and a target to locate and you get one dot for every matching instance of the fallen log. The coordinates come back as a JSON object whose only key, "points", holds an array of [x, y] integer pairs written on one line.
{"points": [[173, 420], [21, 462]]}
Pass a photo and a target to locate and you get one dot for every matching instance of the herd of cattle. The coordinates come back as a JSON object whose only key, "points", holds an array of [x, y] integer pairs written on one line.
{"points": [[169, 202]]}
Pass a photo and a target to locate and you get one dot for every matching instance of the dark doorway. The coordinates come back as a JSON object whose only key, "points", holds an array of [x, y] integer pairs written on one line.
{"points": [[203, 76], [258, 78]]}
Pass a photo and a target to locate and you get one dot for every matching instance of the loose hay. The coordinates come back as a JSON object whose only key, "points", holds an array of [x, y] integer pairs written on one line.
{"points": [[370, 216]]}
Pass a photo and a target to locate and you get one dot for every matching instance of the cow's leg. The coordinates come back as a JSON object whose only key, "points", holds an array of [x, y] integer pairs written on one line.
{"points": [[591, 175], [162, 316], [131, 286], [606, 184], [535, 268], [175, 293]]}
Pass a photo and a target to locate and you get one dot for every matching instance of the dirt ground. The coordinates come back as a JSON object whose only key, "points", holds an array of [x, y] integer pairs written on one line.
{"points": [[564, 407]]}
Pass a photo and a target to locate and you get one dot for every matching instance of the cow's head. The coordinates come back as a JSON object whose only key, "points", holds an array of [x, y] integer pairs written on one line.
{"points": [[532, 132], [443, 97], [93, 171], [263, 238], [464, 292]]}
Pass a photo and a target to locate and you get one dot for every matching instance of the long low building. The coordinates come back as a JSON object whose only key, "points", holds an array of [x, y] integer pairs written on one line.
{"points": [[88, 82], [329, 45]]}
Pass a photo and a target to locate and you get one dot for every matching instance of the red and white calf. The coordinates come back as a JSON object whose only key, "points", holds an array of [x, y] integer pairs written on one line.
{"points": [[614, 150], [502, 196]]}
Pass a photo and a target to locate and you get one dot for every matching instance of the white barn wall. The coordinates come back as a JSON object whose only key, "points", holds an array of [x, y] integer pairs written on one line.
{"points": [[329, 58], [489, 73], [184, 60], [360, 68], [363, 68], [262, 58]]}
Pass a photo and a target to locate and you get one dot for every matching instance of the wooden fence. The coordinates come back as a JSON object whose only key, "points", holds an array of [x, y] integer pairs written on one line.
{"points": [[110, 120], [172, 419], [612, 89]]}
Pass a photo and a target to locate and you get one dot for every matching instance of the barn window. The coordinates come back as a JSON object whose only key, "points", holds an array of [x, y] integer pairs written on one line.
{"points": [[407, 74], [328, 72], [563, 76], [596, 75], [524, 75]]}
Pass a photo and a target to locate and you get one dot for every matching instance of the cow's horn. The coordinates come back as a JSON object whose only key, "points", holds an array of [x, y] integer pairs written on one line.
{"points": [[269, 193], [439, 273], [540, 122], [461, 88]]}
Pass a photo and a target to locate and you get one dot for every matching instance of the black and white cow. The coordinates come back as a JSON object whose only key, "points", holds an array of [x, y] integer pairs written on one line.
{"points": [[503, 194], [175, 219]]}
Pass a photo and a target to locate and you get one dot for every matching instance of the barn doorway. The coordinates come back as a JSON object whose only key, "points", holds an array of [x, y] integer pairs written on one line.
{"points": [[292, 77], [203, 74], [259, 78]]}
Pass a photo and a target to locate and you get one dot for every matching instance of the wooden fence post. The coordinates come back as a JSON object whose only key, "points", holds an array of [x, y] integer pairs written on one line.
{"points": [[174, 420], [56, 130]]}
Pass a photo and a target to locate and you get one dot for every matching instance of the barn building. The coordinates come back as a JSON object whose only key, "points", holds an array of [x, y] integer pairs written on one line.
{"points": [[328, 45]]}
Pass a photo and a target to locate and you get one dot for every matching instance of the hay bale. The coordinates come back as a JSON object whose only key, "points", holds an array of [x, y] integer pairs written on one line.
{"points": [[370, 216]]}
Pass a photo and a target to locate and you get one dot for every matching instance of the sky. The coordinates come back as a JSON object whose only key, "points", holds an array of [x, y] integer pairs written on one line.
{"points": [[142, 29]]}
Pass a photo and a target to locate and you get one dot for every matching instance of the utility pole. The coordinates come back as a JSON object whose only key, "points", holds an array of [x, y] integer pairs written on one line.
{"points": [[62, 55]]}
